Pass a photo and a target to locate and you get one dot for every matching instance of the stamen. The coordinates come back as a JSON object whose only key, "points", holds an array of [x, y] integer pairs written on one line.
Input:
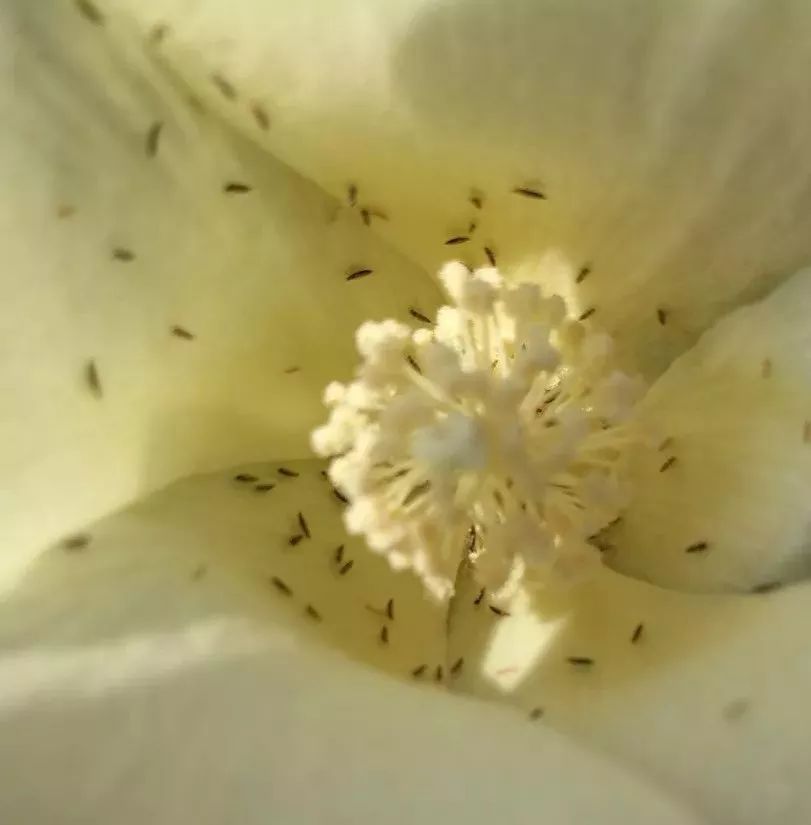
{"points": [[500, 435]]}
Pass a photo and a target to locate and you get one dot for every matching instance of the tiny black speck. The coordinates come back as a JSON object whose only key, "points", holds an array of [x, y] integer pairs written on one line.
{"points": [[153, 139], [580, 661], [281, 586], [75, 543], [90, 12], [415, 313], [527, 192]]}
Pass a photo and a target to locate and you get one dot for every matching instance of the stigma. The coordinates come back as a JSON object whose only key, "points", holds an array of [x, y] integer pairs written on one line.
{"points": [[498, 437]]}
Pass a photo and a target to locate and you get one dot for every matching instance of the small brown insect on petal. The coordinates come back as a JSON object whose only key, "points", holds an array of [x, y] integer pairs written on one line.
{"points": [[637, 634], [261, 116], [457, 239], [292, 370], [153, 137], [93, 379], [478, 600], [346, 568], [766, 587], [736, 709], [281, 586], [413, 364], [245, 478], [340, 496], [352, 194], [236, 188], [390, 609], [90, 12], [584, 272], [456, 667], [415, 313], [123, 254], [367, 213], [661, 315], [158, 33], [312, 613], [74, 544], [472, 227], [697, 547], [498, 611], [535, 714], [476, 199], [491, 256], [296, 539], [287, 473], [305, 528], [264, 488], [182, 332], [668, 464], [417, 491], [419, 671], [529, 192], [359, 273], [225, 88], [339, 554], [587, 314], [580, 661], [438, 674], [384, 635]]}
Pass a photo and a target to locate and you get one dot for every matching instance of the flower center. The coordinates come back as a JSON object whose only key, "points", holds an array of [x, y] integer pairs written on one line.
{"points": [[500, 436]]}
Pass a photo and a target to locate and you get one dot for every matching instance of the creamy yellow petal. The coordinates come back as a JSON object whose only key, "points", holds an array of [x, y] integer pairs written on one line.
{"points": [[174, 298], [722, 505], [705, 693], [167, 668], [668, 140]]}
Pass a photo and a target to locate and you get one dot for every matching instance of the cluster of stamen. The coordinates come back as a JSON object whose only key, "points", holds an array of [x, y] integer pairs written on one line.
{"points": [[499, 436]]}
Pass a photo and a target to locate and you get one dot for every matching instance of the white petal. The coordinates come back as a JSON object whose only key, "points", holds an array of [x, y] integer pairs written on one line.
{"points": [[263, 543], [730, 510], [669, 140], [155, 674], [707, 694], [212, 316]]}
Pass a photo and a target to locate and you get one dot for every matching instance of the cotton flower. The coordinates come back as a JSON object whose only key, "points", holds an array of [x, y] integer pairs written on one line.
{"points": [[202, 203]]}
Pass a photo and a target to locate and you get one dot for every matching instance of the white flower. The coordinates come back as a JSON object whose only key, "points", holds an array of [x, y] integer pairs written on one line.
{"points": [[201, 202]]}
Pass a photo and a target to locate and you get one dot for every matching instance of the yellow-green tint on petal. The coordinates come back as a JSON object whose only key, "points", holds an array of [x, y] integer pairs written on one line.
{"points": [[261, 544], [175, 299], [679, 187], [704, 693], [723, 504]]}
